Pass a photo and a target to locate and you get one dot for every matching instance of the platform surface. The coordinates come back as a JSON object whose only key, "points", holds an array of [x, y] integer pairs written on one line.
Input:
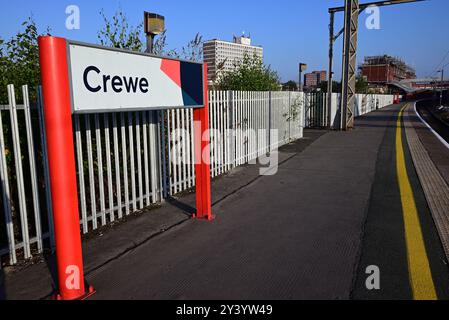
{"points": [[334, 208], [307, 232]]}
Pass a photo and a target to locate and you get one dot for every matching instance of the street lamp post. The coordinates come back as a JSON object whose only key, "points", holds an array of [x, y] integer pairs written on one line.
{"points": [[441, 86], [154, 24], [302, 68]]}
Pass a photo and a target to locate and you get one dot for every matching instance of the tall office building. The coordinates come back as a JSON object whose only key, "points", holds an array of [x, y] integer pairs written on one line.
{"points": [[221, 56]]}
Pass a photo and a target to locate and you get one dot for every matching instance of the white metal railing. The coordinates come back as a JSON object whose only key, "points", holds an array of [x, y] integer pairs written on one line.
{"points": [[117, 164], [240, 124], [22, 182], [316, 110]]}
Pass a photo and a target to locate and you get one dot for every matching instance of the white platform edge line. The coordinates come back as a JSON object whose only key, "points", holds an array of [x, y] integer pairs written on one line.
{"points": [[444, 142]]}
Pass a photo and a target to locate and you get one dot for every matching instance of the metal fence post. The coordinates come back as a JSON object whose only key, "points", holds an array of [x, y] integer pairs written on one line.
{"points": [[289, 116], [33, 172], [40, 109], [269, 121], [161, 153], [231, 129], [19, 171], [6, 196], [161, 116]]}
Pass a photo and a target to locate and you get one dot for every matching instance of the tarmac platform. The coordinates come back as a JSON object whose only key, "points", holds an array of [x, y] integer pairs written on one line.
{"points": [[340, 202]]}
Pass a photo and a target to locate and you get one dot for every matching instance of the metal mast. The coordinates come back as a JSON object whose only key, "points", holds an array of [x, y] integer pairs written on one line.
{"points": [[349, 73], [352, 9], [330, 72]]}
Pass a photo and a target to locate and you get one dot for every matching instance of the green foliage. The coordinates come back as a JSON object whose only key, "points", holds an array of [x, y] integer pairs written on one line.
{"points": [[336, 86], [117, 33], [160, 45], [19, 61], [250, 74], [19, 56], [194, 49], [295, 109], [290, 86], [361, 85], [192, 52]]}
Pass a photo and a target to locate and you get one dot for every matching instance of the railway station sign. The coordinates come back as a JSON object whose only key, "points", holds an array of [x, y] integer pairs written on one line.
{"points": [[84, 78], [106, 80]]}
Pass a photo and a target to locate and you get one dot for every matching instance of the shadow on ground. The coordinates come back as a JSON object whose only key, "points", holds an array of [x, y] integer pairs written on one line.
{"points": [[50, 261], [185, 208], [125, 237], [2, 285]]}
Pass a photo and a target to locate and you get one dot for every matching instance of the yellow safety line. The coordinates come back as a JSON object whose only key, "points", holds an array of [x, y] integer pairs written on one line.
{"points": [[418, 264]]}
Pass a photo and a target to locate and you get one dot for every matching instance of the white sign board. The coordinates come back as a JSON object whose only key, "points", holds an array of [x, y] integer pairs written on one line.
{"points": [[106, 80]]}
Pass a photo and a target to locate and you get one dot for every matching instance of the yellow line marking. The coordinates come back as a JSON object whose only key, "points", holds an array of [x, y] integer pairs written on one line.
{"points": [[418, 264]]}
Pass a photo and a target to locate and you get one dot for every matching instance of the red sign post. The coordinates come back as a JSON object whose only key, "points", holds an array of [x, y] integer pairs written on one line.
{"points": [[61, 159], [202, 157], [56, 87]]}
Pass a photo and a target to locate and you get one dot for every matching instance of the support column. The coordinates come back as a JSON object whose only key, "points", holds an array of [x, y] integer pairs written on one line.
{"points": [[202, 156], [330, 70], [61, 160], [348, 96]]}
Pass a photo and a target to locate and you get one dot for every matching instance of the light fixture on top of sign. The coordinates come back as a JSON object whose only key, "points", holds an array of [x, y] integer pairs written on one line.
{"points": [[154, 24]]}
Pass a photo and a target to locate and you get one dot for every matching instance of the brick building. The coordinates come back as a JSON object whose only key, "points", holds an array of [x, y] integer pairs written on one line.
{"points": [[313, 80], [380, 70]]}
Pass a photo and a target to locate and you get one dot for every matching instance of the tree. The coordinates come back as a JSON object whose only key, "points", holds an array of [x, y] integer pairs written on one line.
{"points": [[117, 33], [361, 85], [160, 46], [194, 49], [19, 56], [290, 86], [19, 61], [250, 74], [336, 86]]}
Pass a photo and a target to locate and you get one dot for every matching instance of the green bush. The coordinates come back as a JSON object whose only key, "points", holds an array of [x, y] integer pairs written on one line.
{"points": [[250, 74], [19, 61]]}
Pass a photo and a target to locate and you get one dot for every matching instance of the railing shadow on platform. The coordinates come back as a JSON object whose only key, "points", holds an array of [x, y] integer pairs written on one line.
{"points": [[381, 120], [50, 261], [2, 285], [185, 208]]}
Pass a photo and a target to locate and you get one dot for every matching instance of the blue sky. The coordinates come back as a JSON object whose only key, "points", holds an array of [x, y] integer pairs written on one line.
{"points": [[289, 30]]}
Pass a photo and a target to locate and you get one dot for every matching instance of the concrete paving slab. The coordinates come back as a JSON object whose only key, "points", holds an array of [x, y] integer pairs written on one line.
{"points": [[37, 280], [295, 235], [306, 232]]}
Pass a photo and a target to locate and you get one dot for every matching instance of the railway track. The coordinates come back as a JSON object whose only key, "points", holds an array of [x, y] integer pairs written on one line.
{"points": [[426, 110]]}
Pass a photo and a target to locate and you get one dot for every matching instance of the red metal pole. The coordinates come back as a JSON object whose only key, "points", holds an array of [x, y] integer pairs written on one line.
{"points": [[61, 159], [202, 156]]}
